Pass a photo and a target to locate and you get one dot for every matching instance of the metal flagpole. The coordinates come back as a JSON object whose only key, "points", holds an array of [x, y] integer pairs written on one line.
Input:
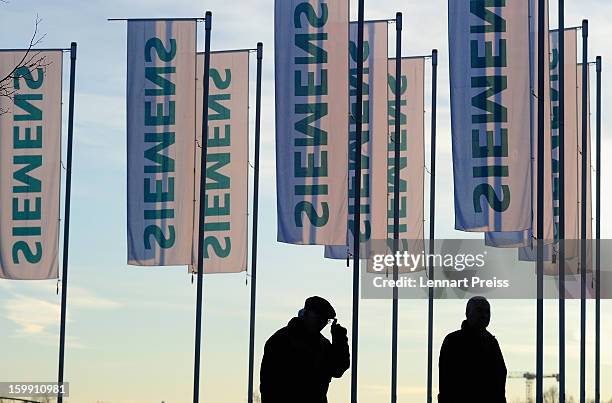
{"points": [[60, 374], [255, 219], [396, 196], [561, 84], [357, 201], [432, 214], [598, 241], [583, 210], [198, 330], [542, 57]]}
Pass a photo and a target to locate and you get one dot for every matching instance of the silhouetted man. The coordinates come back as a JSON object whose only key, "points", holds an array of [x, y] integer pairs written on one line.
{"points": [[472, 367], [298, 362]]}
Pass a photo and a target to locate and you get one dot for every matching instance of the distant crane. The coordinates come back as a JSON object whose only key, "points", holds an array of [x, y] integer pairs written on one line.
{"points": [[529, 378]]}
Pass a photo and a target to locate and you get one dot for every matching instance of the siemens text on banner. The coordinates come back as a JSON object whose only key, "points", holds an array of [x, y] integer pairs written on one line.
{"points": [[30, 147], [412, 152], [373, 150], [160, 141], [226, 209], [312, 109], [489, 73], [525, 238], [571, 137], [546, 186]]}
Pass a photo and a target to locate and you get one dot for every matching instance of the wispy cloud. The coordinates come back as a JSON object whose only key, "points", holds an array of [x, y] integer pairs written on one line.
{"points": [[34, 308], [31, 315], [81, 298]]}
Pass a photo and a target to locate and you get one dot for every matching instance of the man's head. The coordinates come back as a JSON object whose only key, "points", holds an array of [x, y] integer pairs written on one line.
{"points": [[317, 313], [478, 312]]}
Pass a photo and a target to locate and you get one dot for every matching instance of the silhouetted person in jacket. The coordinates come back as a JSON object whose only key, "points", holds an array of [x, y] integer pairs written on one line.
{"points": [[472, 367], [299, 362]]}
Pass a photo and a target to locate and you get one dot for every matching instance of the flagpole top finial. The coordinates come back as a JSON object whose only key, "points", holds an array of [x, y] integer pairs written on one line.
{"points": [[398, 21], [73, 50], [208, 20]]}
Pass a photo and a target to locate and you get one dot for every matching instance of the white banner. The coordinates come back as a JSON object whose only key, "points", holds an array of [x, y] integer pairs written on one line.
{"points": [[573, 133], [548, 234], [571, 146], [489, 72], [160, 131], [524, 238], [226, 210], [570, 131], [573, 167], [590, 170], [589, 203], [311, 58], [373, 147], [30, 153], [412, 153]]}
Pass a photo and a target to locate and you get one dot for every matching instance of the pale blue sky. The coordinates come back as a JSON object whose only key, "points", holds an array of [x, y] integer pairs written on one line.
{"points": [[131, 331]]}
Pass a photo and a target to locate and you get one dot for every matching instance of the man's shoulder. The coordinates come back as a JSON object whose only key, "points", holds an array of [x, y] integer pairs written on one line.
{"points": [[491, 337], [453, 336], [279, 336], [460, 332]]}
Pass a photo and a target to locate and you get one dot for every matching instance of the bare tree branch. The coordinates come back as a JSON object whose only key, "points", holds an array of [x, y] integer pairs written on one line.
{"points": [[31, 59]]}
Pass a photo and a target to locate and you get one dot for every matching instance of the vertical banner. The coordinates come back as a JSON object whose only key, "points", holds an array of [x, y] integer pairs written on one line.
{"points": [[489, 74], [227, 173], [373, 154], [585, 154], [571, 137], [582, 154], [30, 172], [160, 141], [524, 238], [548, 234], [311, 59], [412, 153]]}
